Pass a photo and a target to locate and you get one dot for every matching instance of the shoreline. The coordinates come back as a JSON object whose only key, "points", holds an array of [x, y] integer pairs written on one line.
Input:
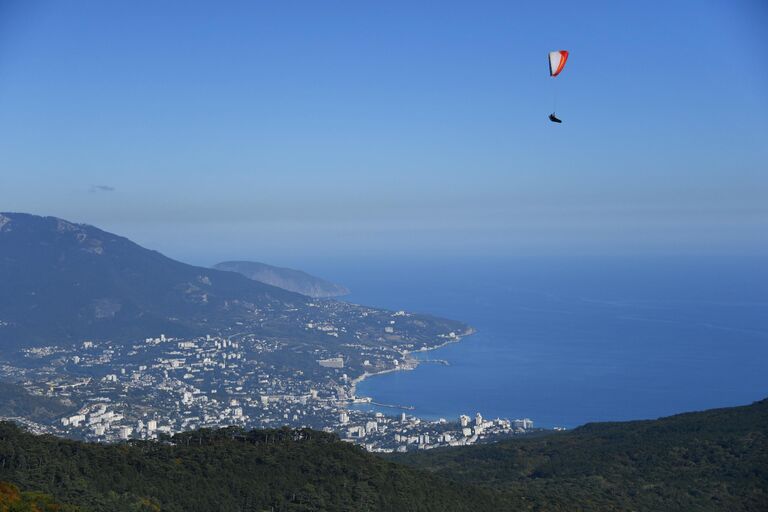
{"points": [[412, 364]]}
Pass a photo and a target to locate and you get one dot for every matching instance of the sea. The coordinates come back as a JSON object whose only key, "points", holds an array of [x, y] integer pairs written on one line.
{"points": [[566, 341]]}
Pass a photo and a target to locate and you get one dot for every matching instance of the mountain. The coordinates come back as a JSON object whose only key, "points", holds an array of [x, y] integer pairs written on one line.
{"points": [[714, 460], [286, 278], [63, 281], [706, 461]]}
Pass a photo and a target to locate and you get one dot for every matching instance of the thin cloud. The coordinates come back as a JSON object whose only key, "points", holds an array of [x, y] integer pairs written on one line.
{"points": [[102, 188]]}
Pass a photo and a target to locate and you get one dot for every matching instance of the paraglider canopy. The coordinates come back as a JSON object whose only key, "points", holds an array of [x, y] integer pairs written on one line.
{"points": [[557, 62]]}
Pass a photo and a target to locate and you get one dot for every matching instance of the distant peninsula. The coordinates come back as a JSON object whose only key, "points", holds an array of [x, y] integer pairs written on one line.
{"points": [[285, 278]]}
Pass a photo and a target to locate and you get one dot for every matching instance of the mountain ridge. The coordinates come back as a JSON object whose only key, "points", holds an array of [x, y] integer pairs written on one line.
{"points": [[286, 278], [65, 281]]}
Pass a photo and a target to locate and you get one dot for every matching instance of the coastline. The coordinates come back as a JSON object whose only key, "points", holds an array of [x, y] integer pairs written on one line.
{"points": [[411, 364]]}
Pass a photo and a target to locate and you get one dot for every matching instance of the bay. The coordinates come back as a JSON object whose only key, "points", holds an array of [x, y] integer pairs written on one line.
{"points": [[565, 341]]}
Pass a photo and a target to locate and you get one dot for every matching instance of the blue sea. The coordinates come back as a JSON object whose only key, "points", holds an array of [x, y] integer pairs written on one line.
{"points": [[565, 341]]}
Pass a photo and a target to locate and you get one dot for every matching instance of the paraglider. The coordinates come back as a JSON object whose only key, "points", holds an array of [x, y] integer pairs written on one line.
{"points": [[557, 61]]}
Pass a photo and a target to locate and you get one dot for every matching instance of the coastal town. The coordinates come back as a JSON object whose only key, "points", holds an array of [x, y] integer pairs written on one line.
{"points": [[163, 385]]}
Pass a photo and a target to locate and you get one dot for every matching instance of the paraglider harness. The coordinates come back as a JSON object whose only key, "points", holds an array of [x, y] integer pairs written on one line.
{"points": [[553, 118]]}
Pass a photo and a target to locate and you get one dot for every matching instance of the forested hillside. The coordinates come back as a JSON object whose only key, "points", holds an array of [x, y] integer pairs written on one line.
{"points": [[15, 401], [13, 499], [705, 461], [226, 470]]}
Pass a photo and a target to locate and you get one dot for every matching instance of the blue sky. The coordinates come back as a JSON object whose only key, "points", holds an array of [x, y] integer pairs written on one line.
{"points": [[283, 131]]}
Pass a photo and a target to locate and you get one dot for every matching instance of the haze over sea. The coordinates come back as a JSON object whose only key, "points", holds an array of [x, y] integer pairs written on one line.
{"points": [[566, 341]]}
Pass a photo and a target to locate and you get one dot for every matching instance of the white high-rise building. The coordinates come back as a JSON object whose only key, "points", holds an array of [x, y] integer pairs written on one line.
{"points": [[478, 419], [125, 432], [524, 423], [464, 420]]}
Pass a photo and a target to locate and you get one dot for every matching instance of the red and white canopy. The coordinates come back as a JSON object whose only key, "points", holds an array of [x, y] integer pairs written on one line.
{"points": [[557, 62]]}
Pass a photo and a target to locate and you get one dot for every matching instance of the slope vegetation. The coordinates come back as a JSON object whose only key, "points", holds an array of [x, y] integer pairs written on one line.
{"points": [[226, 470], [15, 401], [705, 461], [711, 460]]}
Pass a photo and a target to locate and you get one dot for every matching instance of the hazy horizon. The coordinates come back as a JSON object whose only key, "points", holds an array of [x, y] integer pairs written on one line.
{"points": [[343, 129]]}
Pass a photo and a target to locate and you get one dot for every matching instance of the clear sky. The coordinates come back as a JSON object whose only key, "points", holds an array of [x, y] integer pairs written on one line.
{"points": [[286, 130]]}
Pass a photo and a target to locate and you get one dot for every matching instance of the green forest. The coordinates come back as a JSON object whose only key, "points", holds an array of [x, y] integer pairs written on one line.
{"points": [[226, 470], [707, 461], [703, 461], [12, 499]]}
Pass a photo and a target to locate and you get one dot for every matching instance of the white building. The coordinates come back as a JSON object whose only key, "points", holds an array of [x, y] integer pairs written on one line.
{"points": [[76, 420], [332, 362], [524, 424]]}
